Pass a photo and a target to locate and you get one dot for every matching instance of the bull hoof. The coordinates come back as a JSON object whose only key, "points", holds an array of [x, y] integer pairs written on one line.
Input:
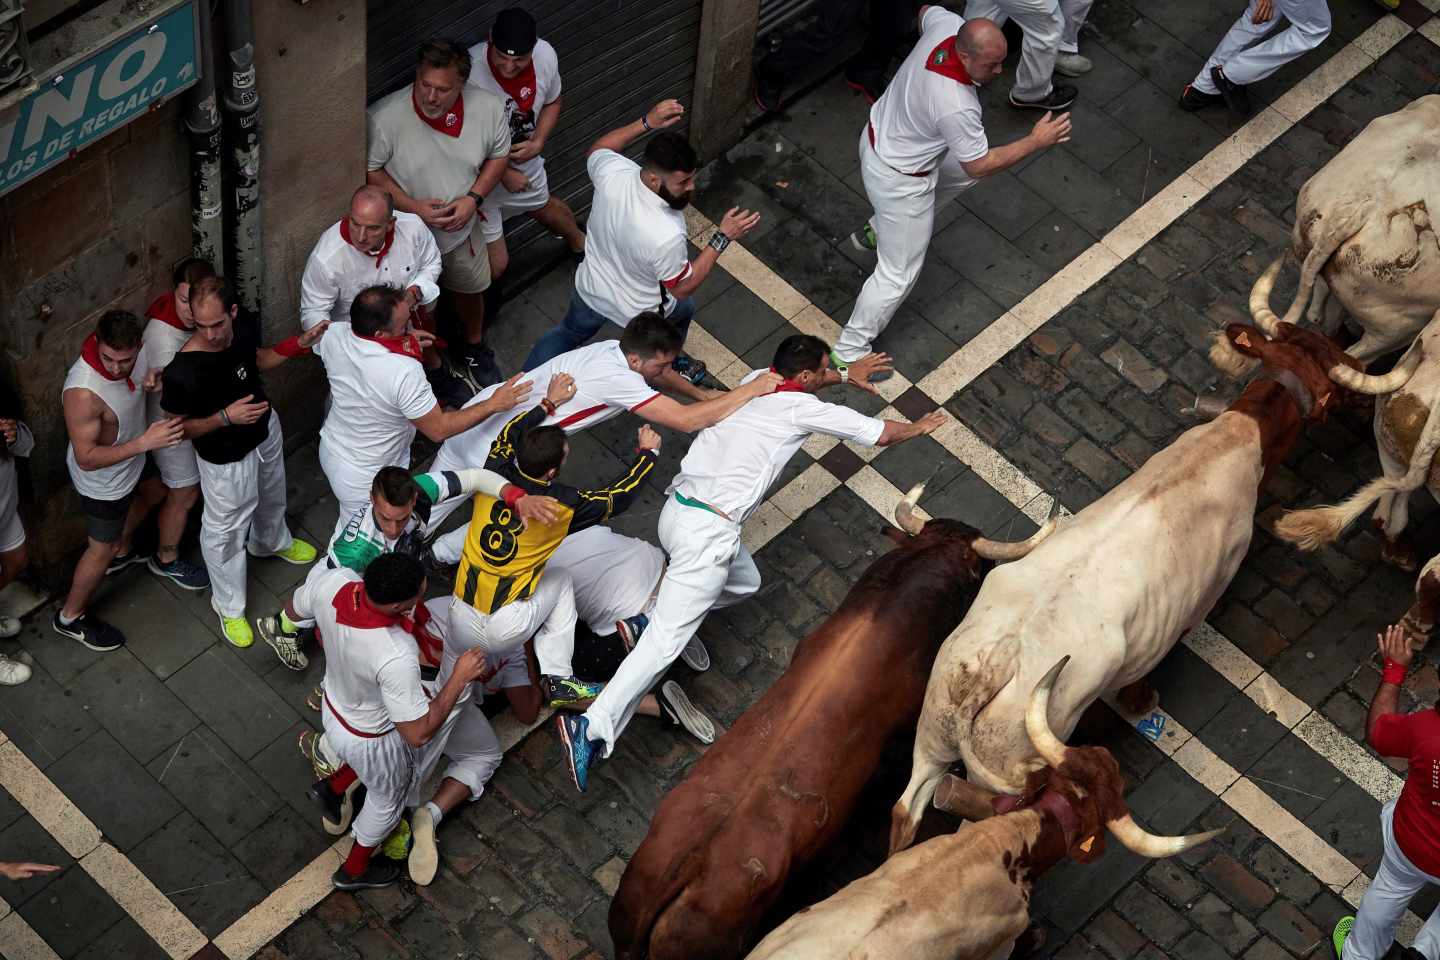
{"points": [[1401, 554], [1138, 699]]}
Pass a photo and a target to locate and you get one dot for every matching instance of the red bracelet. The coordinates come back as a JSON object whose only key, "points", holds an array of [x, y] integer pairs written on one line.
{"points": [[511, 494], [290, 347], [1394, 673], [548, 406]]}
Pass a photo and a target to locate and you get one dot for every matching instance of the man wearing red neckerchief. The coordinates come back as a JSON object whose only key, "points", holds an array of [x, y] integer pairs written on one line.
{"points": [[439, 147], [105, 419]]}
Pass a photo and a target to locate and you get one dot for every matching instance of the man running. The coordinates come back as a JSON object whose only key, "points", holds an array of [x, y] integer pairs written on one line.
{"points": [[722, 480]]}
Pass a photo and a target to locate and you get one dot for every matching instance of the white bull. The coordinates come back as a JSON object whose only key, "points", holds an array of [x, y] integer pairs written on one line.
{"points": [[1114, 587]]}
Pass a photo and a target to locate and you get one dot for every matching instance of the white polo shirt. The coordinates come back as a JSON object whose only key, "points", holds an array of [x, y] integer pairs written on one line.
{"points": [[635, 243], [429, 164], [731, 464], [605, 387], [545, 91], [374, 394], [926, 110], [614, 575], [336, 271]]}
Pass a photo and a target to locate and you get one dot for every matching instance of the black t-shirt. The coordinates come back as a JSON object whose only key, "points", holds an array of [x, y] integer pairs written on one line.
{"points": [[200, 384]]}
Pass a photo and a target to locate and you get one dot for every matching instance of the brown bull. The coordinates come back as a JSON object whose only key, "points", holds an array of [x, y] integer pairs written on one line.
{"points": [[778, 787]]}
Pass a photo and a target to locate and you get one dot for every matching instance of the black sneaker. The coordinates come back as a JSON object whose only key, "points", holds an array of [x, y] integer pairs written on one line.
{"points": [[336, 812], [689, 368], [1060, 98], [480, 366], [1192, 99], [1237, 98], [183, 573], [128, 560], [380, 873], [90, 631], [451, 388]]}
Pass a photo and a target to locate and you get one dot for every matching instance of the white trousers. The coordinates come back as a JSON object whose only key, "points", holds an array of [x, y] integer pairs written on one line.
{"points": [[709, 569], [1247, 56], [349, 482], [1043, 24], [903, 221], [1074, 12], [244, 509], [548, 615], [1395, 884]]}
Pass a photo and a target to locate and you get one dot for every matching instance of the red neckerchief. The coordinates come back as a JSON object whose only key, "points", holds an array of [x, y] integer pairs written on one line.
{"points": [[90, 353], [521, 89], [407, 345], [430, 645], [354, 609], [450, 123], [163, 309], [945, 61], [787, 385], [384, 247]]}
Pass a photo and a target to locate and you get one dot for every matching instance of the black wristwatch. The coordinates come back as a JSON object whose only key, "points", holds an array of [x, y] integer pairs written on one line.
{"points": [[479, 200], [718, 242]]}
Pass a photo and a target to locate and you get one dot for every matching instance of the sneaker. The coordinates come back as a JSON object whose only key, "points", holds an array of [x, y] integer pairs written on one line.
{"points": [[380, 873], [315, 697], [186, 575], [689, 368], [90, 631], [630, 629], [12, 671], [1192, 99], [578, 748], [424, 853], [451, 389], [9, 627], [1340, 934], [1059, 98], [678, 709], [236, 630], [479, 365], [121, 562], [864, 238], [567, 691], [286, 645], [299, 553], [397, 845], [336, 810], [1237, 98], [314, 752], [695, 655], [1072, 64]]}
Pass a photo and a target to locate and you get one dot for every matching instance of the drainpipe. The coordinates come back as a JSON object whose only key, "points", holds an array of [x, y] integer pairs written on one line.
{"points": [[202, 120], [244, 248]]}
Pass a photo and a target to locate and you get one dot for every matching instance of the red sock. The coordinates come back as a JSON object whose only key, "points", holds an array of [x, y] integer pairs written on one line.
{"points": [[341, 779], [358, 861]]}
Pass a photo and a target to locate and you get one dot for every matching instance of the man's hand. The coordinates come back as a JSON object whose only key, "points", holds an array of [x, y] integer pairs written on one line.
{"points": [[767, 382], [24, 871], [562, 388], [526, 150], [866, 367], [664, 114], [472, 665], [514, 180], [9, 429], [425, 338], [648, 439], [537, 509], [1264, 12], [1394, 645], [929, 423], [163, 433], [510, 393], [736, 222], [461, 210], [412, 296], [1051, 129], [244, 411], [312, 336], [434, 212], [152, 381]]}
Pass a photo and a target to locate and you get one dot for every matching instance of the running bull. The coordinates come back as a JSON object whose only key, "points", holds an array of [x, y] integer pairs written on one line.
{"points": [[779, 786], [1118, 584], [966, 896]]}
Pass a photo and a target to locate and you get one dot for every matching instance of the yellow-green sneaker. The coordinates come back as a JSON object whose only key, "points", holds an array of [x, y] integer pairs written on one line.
{"points": [[1340, 934], [397, 845], [299, 552], [237, 631]]}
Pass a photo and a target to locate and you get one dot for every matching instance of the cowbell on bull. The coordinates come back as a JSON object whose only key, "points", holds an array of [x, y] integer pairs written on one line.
{"points": [[781, 783], [966, 896], [1118, 584]]}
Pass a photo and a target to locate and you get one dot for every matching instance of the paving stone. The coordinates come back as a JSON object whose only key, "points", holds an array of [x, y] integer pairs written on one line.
{"points": [[10, 809], [1188, 688], [1072, 893], [809, 264], [577, 838], [238, 706], [113, 790], [912, 342], [126, 939], [1090, 416], [281, 765], [1005, 204], [44, 720], [197, 874], [1241, 733], [1258, 639], [1077, 190], [1237, 884], [277, 849], [429, 934], [378, 943], [1197, 946], [552, 933], [1151, 916], [25, 841], [1327, 909], [134, 707], [1055, 241], [1283, 921], [1348, 821], [1134, 366], [1114, 936], [71, 913], [1173, 883], [1288, 878], [1222, 923], [740, 319], [1095, 463], [501, 941], [988, 260]]}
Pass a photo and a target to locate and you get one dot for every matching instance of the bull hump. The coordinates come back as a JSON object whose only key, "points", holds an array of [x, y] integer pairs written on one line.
{"points": [[1401, 424]]}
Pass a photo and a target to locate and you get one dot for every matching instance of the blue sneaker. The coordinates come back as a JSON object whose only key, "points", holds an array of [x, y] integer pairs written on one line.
{"points": [[689, 368], [184, 574], [578, 750], [630, 629]]}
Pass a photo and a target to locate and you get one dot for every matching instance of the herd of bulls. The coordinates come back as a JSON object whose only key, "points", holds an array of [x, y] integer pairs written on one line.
{"points": [[996, 663]]}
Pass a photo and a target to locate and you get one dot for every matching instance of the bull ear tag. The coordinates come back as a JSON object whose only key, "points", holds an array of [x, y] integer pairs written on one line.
{"points": [[1242, 338], [1087, 844]]}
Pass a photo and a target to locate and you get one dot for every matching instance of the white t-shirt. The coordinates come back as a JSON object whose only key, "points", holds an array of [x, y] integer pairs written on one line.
{"points": [[160, 342], [374, 394], [429, 164], [614, 575], [336, 271], [605, 386], [372, 674], [730, 465], [127, 403], [635, 243], [924, 112], [546, 91]]}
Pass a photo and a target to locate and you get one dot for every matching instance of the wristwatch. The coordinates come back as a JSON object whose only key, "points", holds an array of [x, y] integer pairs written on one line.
{"points": [[718, 242], [844, 374], [479, 199]]}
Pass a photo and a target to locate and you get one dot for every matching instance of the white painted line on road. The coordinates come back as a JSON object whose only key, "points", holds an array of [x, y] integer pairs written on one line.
{"points": [[143, 901], [46, 803], [286, 904], [18, 941]]}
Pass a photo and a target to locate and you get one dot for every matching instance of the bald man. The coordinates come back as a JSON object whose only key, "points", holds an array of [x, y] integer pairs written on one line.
{"points": [[923, 145]]}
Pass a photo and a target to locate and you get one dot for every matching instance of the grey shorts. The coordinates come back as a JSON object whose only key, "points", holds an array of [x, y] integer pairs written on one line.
{"points": [[105, 519]]}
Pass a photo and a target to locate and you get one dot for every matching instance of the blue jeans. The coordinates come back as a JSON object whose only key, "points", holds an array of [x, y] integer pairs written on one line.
{"points": [[580, 324]]}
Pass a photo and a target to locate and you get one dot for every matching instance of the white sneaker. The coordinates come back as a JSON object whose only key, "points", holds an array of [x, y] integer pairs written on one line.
{"points": [[12, 671], [9, 627], [695, 655], [1072, 64]]}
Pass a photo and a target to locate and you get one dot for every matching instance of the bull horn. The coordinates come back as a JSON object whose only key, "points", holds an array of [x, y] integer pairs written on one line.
{"points": [[1139, 840], [1001, 550], [1375, 385], [1260, 311], [905, 517], [1037, 718]]}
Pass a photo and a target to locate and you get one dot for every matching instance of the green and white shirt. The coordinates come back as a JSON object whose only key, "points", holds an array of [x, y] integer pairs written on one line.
{"points": [[359, 539]]}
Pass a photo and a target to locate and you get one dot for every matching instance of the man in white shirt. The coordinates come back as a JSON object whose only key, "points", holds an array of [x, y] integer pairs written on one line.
{"points": [[1254, 49], [636, 258], [438, 147], [610, 377], [722, 480], [1043, 23], [379, 396], [924, 143]]}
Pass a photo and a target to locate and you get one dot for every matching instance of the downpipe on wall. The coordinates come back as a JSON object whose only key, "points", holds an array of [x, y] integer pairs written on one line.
{"points": [[202, 123], [244, 246]]}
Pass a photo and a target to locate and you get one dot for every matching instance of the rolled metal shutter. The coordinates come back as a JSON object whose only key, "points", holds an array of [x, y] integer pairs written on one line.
{"points": [[777, 14], [617, 58]]}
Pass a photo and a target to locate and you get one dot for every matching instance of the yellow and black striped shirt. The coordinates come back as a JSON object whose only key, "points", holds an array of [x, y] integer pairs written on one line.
{"points": [[501, 562]]}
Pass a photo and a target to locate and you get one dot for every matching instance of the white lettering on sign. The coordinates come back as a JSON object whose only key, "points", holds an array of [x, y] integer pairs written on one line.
{"points": [[54, 105], [150, 48], [140, 58]]}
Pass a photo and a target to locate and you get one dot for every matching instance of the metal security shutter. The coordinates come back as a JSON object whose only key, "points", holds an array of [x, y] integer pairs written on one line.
{"points": [[777, 14], [617, 58]]}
